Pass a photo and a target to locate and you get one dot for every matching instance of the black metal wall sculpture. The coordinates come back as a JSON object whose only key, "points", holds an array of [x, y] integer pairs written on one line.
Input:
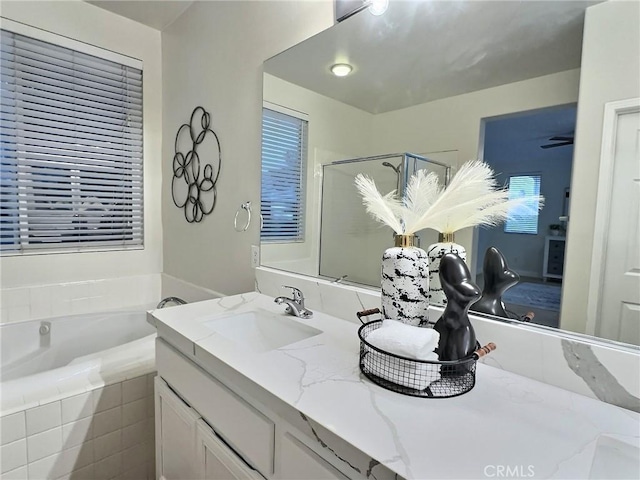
{"points": [[194, 188]]}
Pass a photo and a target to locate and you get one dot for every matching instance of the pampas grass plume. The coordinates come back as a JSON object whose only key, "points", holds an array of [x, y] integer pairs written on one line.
{"points": [[471, 199]]}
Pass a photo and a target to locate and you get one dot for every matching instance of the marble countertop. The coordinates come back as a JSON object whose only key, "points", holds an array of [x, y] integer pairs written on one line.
{"points": [[506, 424]]}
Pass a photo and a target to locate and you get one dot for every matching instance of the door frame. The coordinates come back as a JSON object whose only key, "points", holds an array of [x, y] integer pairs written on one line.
{"points": [[612, 111]]}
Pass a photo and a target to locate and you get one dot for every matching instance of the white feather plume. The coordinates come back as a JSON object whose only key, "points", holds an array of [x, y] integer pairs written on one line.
{"points": [[382, 208], [422, 191], [471, 199]]}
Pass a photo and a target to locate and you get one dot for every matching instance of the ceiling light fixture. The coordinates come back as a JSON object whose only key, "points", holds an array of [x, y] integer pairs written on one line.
{"points": [[341, 69], [378, 7]]}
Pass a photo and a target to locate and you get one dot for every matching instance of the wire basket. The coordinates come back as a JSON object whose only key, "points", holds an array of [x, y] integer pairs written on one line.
{"points": [[418, 378]]}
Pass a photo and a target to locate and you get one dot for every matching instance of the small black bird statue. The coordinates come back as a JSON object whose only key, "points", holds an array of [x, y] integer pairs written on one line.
{"points": [[498, 278], [457, 337]]}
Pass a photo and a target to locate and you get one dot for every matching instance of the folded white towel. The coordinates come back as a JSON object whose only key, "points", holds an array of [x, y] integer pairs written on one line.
{"points": [[405, 340], [403, 372]]}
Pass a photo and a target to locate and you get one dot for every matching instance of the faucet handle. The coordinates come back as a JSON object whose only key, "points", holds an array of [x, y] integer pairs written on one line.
{"points": [[297, 294]]}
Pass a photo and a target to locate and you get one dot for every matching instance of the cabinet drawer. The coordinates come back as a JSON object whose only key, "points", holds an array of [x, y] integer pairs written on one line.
{"points": [[246, 430], [556, 246], [555, 268], [556, 258], [299, 462]]}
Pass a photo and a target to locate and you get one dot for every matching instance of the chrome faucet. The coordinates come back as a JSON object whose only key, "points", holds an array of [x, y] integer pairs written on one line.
{"points": [[295, 305], [176, 300]]}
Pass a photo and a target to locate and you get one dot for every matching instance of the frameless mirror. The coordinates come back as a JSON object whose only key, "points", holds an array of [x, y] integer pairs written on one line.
{"points": [[447, 81]]}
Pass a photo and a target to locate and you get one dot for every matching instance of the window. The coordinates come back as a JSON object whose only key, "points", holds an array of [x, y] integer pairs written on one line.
{"points": [[284, 155], [71, 148], [524, 218]]}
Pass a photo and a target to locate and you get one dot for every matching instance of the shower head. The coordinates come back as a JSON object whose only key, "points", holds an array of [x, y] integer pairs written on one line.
{"points": [[395, 169]]}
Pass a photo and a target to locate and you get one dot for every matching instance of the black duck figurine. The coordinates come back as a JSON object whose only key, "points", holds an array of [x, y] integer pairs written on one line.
{"points": [[498, 278], [457, 337]]}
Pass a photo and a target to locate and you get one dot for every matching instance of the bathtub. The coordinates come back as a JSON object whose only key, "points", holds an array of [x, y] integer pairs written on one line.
{"points": [[76, 396]]}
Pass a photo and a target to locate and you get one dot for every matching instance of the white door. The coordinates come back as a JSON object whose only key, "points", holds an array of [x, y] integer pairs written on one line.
{"points": [[217, 461], [617, 287], [175, 436]]}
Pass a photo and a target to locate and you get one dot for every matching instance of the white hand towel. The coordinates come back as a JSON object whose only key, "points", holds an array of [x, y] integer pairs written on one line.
{"points": [[405, 340], [403, 372]]}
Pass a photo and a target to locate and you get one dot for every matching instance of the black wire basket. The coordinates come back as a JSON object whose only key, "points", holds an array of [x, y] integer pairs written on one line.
{"points": [[418, 378]]}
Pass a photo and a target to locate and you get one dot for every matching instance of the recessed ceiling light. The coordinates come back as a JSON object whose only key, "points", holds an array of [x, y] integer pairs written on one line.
{"points": [[378, 7], [341, 69]]}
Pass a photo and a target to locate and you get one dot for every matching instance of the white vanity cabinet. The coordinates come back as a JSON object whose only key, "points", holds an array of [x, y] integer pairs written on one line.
{"points": [[176, 426], [187, 448], [204, 430], [216, 461], [299, 462]]}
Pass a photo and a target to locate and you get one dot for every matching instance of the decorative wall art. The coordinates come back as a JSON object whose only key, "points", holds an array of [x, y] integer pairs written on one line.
{"points": [[193, 187]]}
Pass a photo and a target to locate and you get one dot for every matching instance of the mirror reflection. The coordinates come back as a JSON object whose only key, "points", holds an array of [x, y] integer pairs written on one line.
{"points": [[349, 237], [448, 82]]}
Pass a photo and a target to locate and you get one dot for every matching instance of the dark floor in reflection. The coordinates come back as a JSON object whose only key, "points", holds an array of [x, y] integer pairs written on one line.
{"points": [[549, 317]]}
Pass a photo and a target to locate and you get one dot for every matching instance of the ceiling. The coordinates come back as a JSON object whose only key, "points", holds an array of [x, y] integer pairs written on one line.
{"points": [[531, 129], [420, 51], [155, 14]]}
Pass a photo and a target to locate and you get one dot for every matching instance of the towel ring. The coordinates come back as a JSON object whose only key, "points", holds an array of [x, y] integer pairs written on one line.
{"points": [[245, 206]]}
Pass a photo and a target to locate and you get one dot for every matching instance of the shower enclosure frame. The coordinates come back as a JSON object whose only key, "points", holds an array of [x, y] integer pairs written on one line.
{"points": [[404, 171], [403, 180]]}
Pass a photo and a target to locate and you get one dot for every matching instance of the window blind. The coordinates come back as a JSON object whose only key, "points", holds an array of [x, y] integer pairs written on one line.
{"points": [[71, 149], [284, 153], [524, 218]]}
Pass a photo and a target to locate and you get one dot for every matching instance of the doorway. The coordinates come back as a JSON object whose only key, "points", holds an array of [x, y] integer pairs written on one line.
{"points": [[531, 152]]}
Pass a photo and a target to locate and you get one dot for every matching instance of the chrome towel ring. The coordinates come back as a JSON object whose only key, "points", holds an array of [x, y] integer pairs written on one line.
{"points": [[247, 207]]}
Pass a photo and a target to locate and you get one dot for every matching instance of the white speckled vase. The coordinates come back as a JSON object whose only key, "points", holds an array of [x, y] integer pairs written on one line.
{"points": [[405, 282], [435, 252]]}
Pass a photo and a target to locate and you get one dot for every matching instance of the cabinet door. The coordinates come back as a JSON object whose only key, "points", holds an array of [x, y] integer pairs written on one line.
{"points": [[217, 461], [299, 462], [176, 424], [241, 425]]}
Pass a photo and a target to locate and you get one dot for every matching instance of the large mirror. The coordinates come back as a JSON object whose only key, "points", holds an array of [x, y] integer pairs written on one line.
{"points": [[441, 81]]}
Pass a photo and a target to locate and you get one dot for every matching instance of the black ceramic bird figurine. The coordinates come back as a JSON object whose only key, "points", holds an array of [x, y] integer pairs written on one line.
{"points": [[498, 278], [457, 337]]}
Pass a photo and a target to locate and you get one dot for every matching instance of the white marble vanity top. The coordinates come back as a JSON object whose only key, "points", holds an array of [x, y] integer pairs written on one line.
{"points": [[507, 421]]}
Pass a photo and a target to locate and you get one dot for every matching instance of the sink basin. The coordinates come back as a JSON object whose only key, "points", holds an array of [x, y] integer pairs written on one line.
{"points": [[615, 458], [260, 330]]}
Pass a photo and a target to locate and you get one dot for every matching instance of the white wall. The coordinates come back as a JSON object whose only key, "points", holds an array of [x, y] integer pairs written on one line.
{"points": [[337, 131], [454, 123], [212, 56], [90, 24], [610, 71]]}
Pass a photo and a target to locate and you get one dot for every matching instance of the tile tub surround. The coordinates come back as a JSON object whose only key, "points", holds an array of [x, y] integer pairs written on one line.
{"points": [[375, 432], [176, 287], [96, 370], [46, 301], [542, 354], [99, 434]]}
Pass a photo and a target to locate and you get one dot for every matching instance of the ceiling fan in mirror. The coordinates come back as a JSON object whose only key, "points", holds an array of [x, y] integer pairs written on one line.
{"points": [[559, 141]]}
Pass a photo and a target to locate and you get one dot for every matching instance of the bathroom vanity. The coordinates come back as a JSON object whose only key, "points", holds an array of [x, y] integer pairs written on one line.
{"points": [[244, 391]]}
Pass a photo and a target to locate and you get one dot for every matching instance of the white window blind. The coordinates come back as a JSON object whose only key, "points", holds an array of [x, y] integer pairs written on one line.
{"points": [[71, 144], [524, 218], [284, 154]]}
